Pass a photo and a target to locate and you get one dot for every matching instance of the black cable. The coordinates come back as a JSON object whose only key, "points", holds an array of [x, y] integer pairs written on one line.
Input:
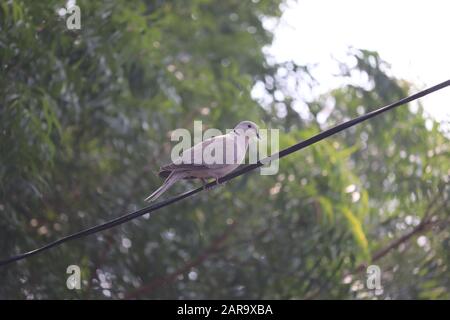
{"points": [[237, 173]]}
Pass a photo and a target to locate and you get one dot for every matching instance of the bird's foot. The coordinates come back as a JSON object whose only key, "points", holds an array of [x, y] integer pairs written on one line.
{"points": [[215, 185]]}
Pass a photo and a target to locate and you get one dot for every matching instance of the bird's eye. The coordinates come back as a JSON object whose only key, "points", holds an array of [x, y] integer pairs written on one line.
{"points": [[249, 126]]}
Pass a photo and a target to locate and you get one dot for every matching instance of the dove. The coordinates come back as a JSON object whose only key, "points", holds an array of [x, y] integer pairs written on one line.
{"points": [[200, 162]]}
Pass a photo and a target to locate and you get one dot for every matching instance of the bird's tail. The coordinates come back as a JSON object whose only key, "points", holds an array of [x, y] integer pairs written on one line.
{"points": [[171, 179]]}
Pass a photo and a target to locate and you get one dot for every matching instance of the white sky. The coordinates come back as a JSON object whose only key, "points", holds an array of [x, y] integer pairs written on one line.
{"points": [[412, 35]]}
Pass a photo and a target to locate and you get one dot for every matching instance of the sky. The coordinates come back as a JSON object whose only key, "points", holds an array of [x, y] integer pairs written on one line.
{"points": [[412, 36]]}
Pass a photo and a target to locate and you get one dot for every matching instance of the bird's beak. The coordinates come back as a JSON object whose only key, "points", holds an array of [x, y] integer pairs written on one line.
{"points": [[257, 135]]}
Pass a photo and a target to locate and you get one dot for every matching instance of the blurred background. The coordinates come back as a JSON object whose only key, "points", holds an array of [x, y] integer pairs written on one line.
{"points": [[85, 121]]}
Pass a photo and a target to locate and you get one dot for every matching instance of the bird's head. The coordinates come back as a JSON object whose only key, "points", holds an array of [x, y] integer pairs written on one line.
{"points": [[248, 128]]}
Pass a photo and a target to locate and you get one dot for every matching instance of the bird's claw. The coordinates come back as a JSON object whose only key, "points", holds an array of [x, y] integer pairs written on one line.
{"points": [[206, 187], [215, 185]]}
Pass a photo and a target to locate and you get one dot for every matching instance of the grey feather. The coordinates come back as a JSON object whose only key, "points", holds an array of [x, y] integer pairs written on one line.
{"points": [[173, 177], [233, 143]]}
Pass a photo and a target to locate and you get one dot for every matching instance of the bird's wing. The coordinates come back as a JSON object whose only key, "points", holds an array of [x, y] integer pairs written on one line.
{"points": [[190, 155]]}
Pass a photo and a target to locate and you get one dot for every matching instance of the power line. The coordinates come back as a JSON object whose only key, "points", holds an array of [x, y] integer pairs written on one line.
{"points": [[283, 153]]}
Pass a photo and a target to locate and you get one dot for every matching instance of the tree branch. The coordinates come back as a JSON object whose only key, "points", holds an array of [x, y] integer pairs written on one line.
{"points": [[160, 281], [422, 227]]}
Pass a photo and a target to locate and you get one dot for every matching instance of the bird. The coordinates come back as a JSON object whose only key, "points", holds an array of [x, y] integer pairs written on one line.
{"points": [[232, 146]]}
